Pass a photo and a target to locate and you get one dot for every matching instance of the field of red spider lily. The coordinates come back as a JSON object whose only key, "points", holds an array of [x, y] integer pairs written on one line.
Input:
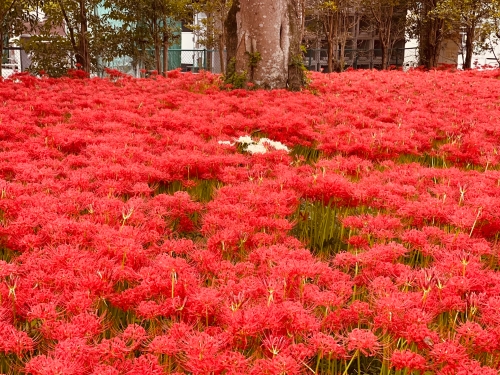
{"points": [[170, 226]]}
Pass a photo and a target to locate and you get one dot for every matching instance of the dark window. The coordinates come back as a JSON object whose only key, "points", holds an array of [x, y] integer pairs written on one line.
{"points": [[363, 44], [377, 46]]}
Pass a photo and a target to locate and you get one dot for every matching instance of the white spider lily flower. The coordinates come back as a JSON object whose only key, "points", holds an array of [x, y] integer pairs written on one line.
{"points": [[247, 140], [256, 148], [276, 145]]}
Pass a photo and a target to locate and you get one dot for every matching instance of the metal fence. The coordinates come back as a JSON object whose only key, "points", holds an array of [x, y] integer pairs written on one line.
{"points": [[14, 60], [195, 60], [187, 60], [317, 59]]}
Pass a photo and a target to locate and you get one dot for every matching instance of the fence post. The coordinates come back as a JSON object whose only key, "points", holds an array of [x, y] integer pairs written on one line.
{"points": [[204, 59]]}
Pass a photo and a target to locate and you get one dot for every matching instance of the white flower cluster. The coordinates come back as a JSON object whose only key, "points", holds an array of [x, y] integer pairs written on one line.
{"points": [[256, 147], [260, 147]]}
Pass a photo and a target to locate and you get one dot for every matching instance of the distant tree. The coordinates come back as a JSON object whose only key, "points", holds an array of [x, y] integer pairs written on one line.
{"points": [[148, 23], [431, 24], [13, 17], [490, 36], [388, 17], [212, 32], [335, 20], [473, 17], [67, 33]]}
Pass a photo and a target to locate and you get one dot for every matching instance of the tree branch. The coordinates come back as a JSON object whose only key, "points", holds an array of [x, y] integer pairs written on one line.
{"points": [[71, 33]]}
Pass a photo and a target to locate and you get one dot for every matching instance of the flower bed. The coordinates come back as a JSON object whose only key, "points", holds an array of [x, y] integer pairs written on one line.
{"points": [[359, 234]]}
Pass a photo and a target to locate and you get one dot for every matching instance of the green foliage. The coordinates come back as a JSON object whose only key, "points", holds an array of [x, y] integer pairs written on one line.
{"points": [[211, 33], [200, 191], [144, 27], [233, 78], [319, 226], [69, 32], [253, 59], [49, 54], [13, 15], [309, 155], [14, 19]]}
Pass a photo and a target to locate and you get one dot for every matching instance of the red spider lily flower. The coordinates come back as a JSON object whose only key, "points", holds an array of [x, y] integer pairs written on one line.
{"points": [[472, 368], [274, 344], [135, 336], [105, 370], [14, 341], [401, 359], [146, 364], [448, 353], [44, 365], [164, 344], [279, 364], [364, 341], [328, 346]]}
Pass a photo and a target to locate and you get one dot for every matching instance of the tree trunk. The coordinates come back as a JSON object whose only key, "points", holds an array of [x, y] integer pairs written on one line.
{"points": [[431, 36], [329, 22], [385, 56], [231, 27], [157, 56], [221, 53], [264, 41], [83, 43], [384, 38], [329, 52], [342, 56], [1, 53], [469, 46], [165, 54]]}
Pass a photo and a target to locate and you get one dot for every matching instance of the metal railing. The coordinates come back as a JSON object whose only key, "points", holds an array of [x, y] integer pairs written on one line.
{"points": [[14, 60], [194, 60], [187, 60], [317, 59]]}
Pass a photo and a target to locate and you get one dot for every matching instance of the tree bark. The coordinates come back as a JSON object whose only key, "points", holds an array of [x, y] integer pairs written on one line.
{"points": [[157, 46], [385, 39], [83, 43], [221, 53], [431, 36], [165, 54], [1, 52], [231, 27], [328, 26], [263, 42], [469, 46]]}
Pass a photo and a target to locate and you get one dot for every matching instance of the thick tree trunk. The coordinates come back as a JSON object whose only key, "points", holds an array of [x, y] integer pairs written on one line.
{"points": [[264, 42], [231, 27]]}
